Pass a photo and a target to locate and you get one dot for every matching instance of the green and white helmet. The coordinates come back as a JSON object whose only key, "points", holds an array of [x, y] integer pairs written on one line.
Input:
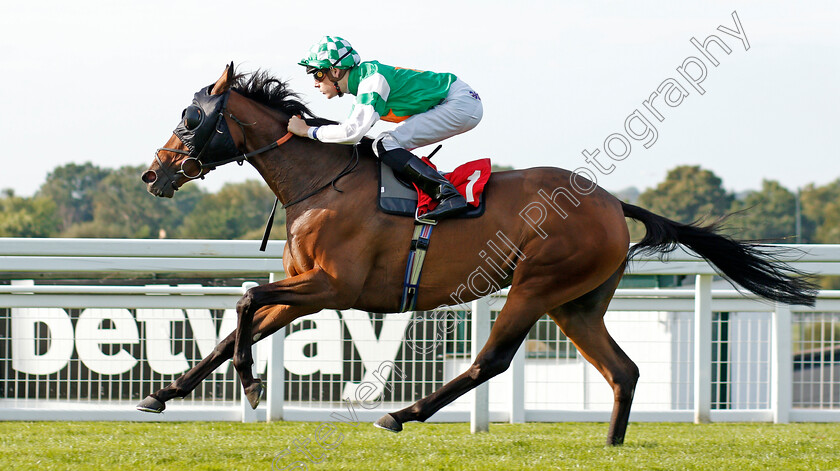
{"points": [[331, 51]]}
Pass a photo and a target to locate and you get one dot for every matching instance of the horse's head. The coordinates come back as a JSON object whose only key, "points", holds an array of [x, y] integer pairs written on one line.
{"points": [[210, 135], [200, 142]]}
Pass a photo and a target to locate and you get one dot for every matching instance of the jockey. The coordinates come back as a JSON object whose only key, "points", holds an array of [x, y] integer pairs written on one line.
{"points": [[429, 106]]}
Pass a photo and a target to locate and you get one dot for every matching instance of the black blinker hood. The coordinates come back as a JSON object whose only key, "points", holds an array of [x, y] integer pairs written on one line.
{"points": [[210, 142]]}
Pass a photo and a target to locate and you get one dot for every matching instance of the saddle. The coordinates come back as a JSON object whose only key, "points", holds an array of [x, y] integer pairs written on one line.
{"points": [[399, 197]]}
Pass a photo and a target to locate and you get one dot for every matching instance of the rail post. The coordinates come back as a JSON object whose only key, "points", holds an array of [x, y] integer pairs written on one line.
{"points": [[702, 349], [781, 392], [276, 372], [480, 411], [517, 391]]}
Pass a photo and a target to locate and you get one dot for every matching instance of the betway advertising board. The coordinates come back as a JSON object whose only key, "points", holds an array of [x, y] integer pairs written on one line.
{"points": [[124, 354]]}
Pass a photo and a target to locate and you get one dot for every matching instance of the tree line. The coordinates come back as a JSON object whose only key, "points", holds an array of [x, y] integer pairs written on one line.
{"points": [[771, 214], [88, 201]]}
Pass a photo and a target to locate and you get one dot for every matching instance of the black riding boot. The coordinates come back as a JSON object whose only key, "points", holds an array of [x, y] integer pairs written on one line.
{"points": [[429, 180]]}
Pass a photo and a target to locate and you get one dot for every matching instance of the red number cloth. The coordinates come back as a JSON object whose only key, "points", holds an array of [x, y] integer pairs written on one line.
{"points": [[469, 177]]}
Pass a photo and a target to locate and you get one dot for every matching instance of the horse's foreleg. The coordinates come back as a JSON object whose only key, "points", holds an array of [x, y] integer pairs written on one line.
{"points": [[309, 292], [242, 356], [266, 322], [508, 332], [188, 381]]}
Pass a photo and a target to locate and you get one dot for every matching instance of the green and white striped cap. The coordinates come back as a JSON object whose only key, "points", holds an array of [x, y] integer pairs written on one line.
{"points": [[331, 51]]}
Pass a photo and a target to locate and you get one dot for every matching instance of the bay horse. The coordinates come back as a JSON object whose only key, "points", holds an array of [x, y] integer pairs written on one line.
{"points": [[343, 253]]}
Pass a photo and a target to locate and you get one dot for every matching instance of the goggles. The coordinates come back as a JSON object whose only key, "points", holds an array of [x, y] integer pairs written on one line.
{"points": [[319, 74]]}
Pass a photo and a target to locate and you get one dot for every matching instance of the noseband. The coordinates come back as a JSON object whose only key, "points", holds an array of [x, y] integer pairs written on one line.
{"points": [[204, 131]]}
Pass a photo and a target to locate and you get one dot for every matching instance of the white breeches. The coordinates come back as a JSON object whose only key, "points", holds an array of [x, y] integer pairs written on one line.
{"points": [[459, 112]]}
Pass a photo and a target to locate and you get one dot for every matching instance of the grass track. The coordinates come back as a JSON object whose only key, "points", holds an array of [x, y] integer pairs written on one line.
{"points": [[235, 446]]}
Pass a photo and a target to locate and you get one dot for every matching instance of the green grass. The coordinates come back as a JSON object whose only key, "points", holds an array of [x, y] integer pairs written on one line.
{"points": [[228, 446]]}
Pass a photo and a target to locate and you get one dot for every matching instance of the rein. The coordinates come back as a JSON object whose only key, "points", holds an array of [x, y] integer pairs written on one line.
{"points": [[240, 159], [347, 169]]}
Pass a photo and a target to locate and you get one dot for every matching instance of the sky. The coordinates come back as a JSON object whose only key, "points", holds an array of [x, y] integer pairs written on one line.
{"points": [[105, 82]]}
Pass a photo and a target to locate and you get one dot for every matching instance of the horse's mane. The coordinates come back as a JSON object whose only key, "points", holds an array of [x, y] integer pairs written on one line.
{"points": [[264, 88]]}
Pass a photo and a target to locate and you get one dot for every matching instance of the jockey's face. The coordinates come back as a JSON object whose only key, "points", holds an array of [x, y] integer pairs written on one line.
{"points": [[326, 86]]}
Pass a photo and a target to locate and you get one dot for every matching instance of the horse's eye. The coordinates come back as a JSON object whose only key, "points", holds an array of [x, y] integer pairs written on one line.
{"points": [[192, 117]]}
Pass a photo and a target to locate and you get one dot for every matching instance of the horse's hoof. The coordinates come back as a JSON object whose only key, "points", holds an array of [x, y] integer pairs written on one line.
{"points": [[150, 404], [253, 393], [389, 423]]}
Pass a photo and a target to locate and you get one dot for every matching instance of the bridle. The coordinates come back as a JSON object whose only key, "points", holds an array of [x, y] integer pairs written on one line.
{"points": [[206, 151]]}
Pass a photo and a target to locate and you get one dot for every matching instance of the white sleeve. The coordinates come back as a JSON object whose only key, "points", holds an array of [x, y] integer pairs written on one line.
{"points": [[361, 119]]}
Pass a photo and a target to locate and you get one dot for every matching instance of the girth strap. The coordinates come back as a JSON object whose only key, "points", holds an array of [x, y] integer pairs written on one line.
{"points": [[414, 267]]}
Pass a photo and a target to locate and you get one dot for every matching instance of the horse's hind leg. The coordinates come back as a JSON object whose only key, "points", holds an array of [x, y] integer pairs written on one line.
{"points": [[582, 320], [508, 332]]}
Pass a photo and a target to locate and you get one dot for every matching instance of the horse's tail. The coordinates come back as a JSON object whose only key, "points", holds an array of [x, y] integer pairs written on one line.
{"points": [[755, 267]]}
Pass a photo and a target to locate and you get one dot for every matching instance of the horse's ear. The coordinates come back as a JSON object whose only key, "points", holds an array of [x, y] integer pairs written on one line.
{"points": [[225, 81]]}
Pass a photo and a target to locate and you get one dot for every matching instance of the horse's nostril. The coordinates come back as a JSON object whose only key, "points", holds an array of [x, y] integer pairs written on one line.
{"points": [[149, 176]]}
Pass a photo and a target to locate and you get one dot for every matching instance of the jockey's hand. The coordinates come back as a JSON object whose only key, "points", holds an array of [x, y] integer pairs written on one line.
{"points": [[297, 126]]}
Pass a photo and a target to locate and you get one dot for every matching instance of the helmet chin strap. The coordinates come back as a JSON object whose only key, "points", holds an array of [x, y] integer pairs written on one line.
{"points": [[341, 73]]}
